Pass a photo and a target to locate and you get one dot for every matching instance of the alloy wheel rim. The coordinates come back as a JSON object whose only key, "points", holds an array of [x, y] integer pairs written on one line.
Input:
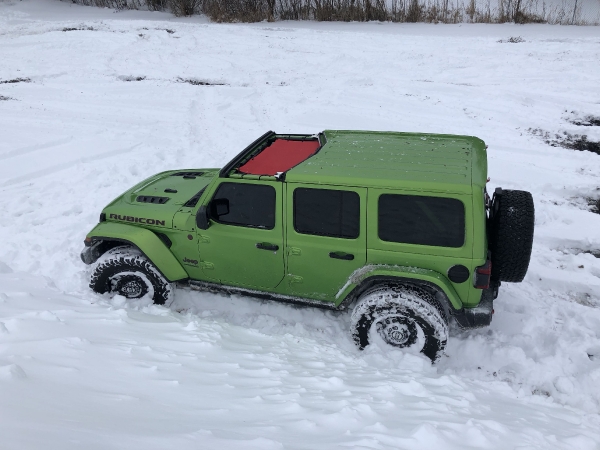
{"points": [[130, 286], [397, 331]]}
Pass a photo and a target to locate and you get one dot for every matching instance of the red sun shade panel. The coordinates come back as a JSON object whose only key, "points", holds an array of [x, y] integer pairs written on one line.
{"points": [[280, 156]]}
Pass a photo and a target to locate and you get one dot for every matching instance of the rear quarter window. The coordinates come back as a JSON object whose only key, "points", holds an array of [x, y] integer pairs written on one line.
{"points": [[421, 220]]}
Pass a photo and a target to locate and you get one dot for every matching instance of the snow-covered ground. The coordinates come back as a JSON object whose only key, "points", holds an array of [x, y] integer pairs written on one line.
{"points": [[79, 371]]}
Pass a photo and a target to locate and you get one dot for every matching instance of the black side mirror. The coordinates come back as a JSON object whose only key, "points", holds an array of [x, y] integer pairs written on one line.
{"points": [[219, 207], [202, 221]]}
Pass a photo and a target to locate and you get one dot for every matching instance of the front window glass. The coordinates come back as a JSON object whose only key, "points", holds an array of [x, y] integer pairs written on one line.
{"points": [[246, 205]]}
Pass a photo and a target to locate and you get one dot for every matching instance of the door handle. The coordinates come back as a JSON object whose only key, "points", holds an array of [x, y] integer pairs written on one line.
{"points": [[341, 255], [267, 246]]}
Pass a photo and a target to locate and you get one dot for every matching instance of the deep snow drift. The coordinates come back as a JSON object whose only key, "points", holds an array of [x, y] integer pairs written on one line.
{"points": [[101, 100]]}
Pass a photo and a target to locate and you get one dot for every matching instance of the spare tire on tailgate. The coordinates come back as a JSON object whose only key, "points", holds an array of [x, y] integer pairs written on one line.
{"points": [[510, 234]]}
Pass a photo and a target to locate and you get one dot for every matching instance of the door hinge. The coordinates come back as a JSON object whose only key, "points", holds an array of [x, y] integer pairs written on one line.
{"points": [[295, 279], [207, 265], [203, 239], [295, 251]]}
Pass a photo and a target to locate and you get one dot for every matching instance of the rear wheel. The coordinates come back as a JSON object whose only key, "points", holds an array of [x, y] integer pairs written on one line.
{"points": [[126, 271], [397, 313]]}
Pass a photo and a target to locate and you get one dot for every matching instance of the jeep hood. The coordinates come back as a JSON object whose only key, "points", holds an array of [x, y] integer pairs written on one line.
{"points": [[155, 200]]}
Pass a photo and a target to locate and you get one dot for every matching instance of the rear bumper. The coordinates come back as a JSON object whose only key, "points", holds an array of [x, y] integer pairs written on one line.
{"points": [[478, 317]]}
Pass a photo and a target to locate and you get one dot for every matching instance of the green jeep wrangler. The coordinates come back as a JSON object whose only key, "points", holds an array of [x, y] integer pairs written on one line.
{"points": [[399, 225]]}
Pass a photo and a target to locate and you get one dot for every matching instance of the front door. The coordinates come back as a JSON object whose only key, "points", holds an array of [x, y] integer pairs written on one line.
{"points": [[243, 246], [326, 238]]}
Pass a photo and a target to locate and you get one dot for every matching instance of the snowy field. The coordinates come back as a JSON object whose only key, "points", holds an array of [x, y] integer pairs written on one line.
{"points": [[78, 371]]}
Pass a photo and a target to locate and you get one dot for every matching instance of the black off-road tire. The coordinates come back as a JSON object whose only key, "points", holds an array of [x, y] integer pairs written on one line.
{"points": [[511, 223], [126, 271], [396, 311]]}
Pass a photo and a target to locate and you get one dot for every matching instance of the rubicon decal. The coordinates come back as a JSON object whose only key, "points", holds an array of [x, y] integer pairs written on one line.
{"points": [[137, 219]]}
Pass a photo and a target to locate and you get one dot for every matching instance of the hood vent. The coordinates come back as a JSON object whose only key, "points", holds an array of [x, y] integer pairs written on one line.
{"points": [[152, 199], [194, 200], [188, 174]]}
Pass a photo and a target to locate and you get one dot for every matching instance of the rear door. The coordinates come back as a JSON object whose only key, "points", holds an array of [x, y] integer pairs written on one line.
{"points": [[326, 238]]}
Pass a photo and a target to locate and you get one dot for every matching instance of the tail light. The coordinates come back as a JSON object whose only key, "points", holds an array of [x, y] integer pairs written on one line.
{"points": [[483, 275]]}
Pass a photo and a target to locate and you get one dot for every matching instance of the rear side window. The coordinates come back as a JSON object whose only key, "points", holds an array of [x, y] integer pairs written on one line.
{"points": [[250, 205], [325, 212], [413, 219]]}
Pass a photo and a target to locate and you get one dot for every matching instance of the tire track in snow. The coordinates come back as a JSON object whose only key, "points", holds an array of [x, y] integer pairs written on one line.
{"points": [[59, 167], [33, 148]]}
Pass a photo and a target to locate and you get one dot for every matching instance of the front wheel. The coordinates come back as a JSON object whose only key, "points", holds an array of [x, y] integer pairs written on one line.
{"points": [[126, 271], [397, 313]]}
